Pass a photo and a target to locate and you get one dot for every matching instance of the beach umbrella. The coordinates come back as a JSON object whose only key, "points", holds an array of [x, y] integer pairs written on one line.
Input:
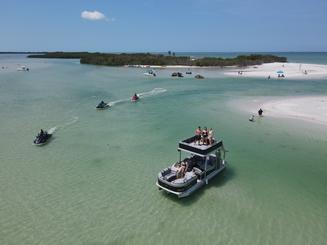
{"points": [[280, 71]]}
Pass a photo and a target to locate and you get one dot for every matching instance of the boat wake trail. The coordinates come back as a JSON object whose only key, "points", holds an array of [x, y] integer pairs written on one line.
{"points": [[62, 126], [153, 92], [71, 122], [52, 130], [112, 103]]}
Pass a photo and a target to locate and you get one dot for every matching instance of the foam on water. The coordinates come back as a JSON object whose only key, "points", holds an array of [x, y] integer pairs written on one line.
{"points": [[52, 130], [64, 125], [153, 92]]}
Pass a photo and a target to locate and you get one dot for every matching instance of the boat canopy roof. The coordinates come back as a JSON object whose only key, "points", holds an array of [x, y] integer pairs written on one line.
{"points": [[189, 145]]}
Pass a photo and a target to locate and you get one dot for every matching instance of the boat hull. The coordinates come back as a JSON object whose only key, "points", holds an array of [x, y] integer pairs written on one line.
{"points": [[102, 108]]}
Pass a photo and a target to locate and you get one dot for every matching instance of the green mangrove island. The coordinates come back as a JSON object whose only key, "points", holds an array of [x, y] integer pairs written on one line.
{"points": [[125, 59]]}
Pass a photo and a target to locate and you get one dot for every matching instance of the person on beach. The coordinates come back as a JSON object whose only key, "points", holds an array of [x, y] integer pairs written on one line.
{"points": [[260, 112], [198, 133], [268, 77], [210, 136], [251, 119]]}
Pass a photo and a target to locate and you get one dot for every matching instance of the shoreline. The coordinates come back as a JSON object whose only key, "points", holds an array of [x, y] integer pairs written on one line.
{"points": [[179, 66], [288, 70], [312, 109]]}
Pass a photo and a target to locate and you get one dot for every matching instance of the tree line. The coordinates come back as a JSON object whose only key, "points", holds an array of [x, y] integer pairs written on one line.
{"points": [[110, 59]]}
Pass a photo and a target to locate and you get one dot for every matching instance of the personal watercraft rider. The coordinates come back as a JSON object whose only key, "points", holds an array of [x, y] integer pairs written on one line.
{"points": [[135, 97]]}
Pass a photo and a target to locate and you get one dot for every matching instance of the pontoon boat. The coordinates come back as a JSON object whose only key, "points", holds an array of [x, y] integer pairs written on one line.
{"points": [[202, 164]]}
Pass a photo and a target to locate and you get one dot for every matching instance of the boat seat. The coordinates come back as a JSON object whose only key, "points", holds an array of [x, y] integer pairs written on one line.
{"points": [[197, 171], [165, 171], [170, 177], [188, 176]]}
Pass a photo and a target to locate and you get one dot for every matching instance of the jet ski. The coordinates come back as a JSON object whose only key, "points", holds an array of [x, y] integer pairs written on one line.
{"points": [[42, 138], [135, 98], [102, 105]]}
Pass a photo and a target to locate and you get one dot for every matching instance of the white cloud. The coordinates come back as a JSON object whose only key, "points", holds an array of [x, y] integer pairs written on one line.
{"points": [[93, 15]]}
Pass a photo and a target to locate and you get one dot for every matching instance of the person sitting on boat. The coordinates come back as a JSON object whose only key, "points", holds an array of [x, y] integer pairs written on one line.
{"points": [[181, 170], [210, 136], [198, 133], [205, 136]]}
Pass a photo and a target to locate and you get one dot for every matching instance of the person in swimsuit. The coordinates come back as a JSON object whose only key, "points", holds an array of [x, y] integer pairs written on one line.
{"points": [[205, 136], [198, 133], [181, 170], [210, 136]]}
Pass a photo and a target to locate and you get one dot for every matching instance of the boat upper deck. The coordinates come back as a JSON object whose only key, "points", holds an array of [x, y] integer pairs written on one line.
{"points": [[190, 145]]}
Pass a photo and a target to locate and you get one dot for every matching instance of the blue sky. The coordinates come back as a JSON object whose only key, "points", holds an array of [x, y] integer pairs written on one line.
{"points": [[161, 25]]}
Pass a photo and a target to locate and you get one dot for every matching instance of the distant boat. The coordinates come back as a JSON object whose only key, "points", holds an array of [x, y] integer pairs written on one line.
{"points": [[150, 73], [23, 68], [199, 76], [177, 74]]}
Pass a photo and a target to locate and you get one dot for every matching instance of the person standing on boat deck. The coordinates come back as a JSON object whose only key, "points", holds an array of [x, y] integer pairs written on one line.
{"points": [[198, 133], [210, 136], [205, 136]]}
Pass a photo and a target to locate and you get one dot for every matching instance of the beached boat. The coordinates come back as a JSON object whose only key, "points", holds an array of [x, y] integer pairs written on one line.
{"points": [[177, 74], [202, 164], [150, 73]]}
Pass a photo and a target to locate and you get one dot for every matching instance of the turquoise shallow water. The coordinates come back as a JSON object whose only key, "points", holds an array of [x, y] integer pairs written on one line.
{"points": [[94, 182]]}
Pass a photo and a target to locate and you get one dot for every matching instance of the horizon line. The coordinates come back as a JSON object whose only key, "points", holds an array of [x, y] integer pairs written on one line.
{"points": [[26, 52]]}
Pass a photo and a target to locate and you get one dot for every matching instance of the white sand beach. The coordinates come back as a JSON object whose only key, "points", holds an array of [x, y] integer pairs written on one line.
{"points": [[309, 108], [290, 70]]}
